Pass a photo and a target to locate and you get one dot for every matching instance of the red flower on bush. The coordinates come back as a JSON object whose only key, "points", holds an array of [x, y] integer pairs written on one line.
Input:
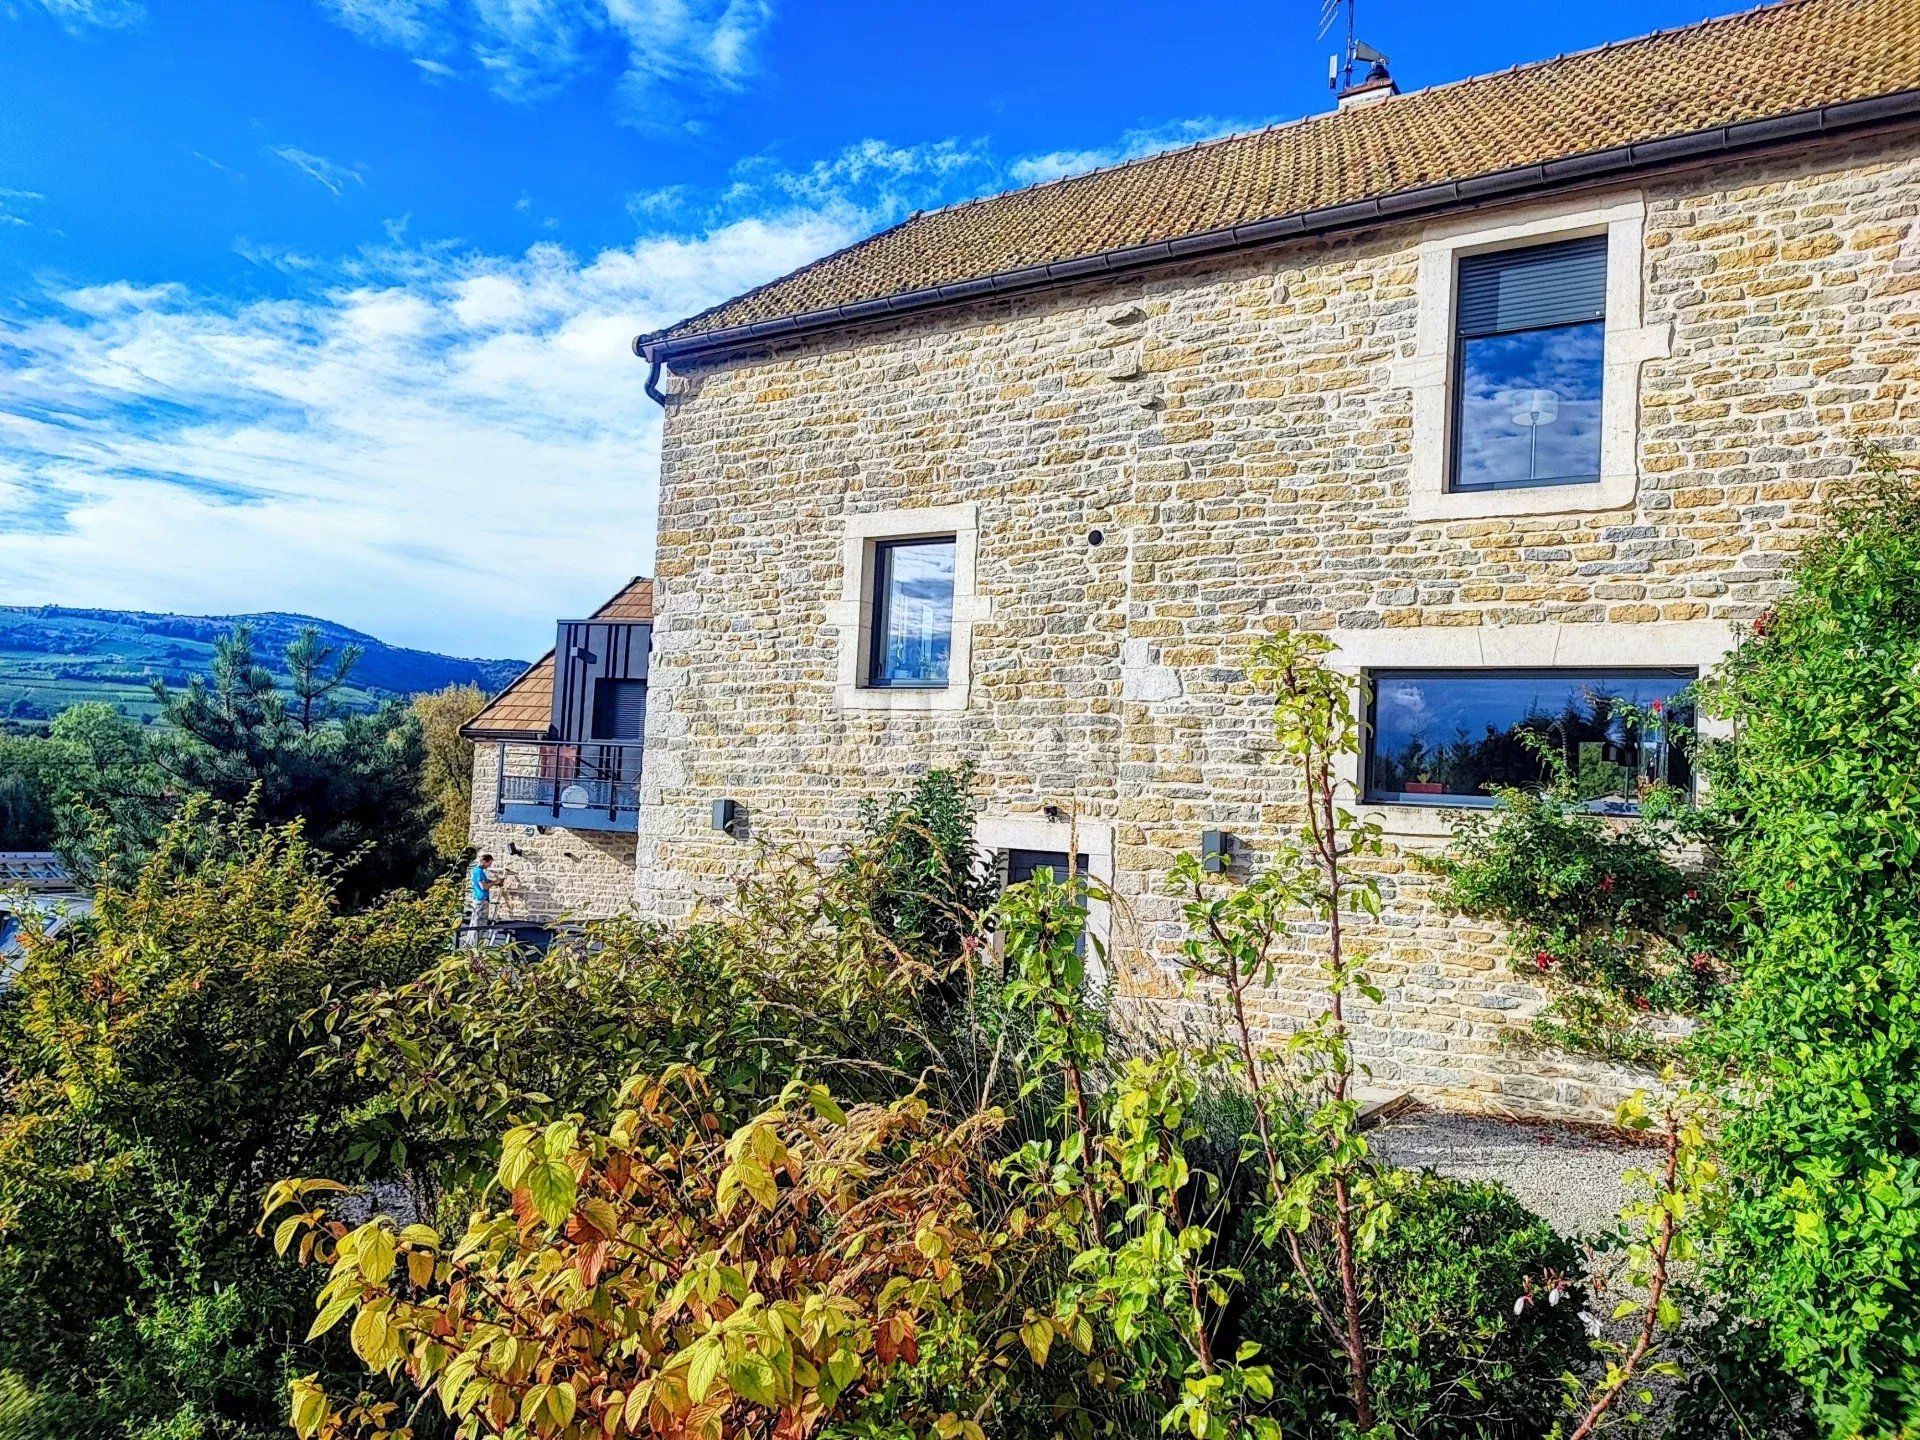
{"points": [[1606, 884], [1542, 960], [1640, 1002], [1762, 623]]}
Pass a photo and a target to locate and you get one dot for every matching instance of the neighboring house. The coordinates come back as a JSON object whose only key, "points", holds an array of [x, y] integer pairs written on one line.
{"points": [[1521, 389], [36, 888], [556, 770]]}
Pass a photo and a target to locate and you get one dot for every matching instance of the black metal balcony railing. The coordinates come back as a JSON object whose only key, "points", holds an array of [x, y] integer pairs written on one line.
{"points": [[578, 785]]}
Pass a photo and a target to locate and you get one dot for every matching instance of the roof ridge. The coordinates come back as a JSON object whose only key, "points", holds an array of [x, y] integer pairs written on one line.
{"points": [[1751, 12], [1757, 74], [1322, 116], [1126, 164], [622, 593]]}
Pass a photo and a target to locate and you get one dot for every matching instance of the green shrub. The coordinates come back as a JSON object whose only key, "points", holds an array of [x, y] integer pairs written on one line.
{"points": [[1821, 791], [1732, 1385], [929, 889], [1599, 911], [795, 974], [151, 1082], [1451, 1358]]}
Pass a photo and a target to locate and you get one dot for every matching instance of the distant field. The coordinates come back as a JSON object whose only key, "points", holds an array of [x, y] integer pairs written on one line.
{"points": [[54, 656]]}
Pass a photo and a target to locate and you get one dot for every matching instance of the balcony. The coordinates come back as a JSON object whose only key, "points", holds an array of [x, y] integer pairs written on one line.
{"points": [[576, 785]]}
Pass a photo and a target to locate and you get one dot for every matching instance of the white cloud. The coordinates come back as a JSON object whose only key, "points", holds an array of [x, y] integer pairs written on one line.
{"points": [[15, 205], [275, 257], [870, 183], [76, 16], [878, 182], [1132, 145], [650, 204], [405, 23], [335, 177], [442, 448], [528, 49]]}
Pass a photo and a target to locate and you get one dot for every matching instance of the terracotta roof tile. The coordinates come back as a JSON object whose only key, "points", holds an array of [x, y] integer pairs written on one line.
{"points": [[526, 706], [1783, 58], [633, 603]]}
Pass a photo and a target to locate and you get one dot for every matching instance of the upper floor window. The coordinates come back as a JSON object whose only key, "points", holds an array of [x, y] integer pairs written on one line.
{"points": [[912, 612], [619, 709], [1530, 348], [1452, 737]]}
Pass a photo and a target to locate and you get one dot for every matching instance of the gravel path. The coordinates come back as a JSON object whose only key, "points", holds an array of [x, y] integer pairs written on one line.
{"points": [[1569, 1174]]}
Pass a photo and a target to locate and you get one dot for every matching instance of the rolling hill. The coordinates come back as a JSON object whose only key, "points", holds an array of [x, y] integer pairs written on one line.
{"points": [[53, 656]]}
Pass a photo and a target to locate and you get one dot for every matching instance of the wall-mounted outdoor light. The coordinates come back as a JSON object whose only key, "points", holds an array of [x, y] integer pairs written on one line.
{"points": [[729, 818], [1216, 851]]}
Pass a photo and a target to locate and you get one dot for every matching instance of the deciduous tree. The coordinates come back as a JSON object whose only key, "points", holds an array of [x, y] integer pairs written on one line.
{"points": [[447, 772]]}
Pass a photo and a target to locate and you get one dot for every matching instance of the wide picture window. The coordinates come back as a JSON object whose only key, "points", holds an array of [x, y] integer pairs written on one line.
{"points": [[1530, 348], [1456, 737], [912, 613]]}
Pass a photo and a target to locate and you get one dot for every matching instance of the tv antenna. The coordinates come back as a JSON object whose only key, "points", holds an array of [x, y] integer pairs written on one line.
{"points": [[1355, 52]]}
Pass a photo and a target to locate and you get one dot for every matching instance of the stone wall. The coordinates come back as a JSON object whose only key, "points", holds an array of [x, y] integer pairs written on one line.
{"points": [[562, 874], [1240, 434]]}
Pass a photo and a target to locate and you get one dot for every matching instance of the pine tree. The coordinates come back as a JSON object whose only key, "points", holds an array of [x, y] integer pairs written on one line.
{"points": [[317, 669], [356, 780]]}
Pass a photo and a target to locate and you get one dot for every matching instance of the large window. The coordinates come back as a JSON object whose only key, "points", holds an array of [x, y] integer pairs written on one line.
{"points": [[1452, 737], [1530, 348], [912, 613]]}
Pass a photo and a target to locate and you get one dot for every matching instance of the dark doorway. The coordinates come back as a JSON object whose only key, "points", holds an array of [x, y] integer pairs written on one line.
{"points": [[1022, 865], [1025, 864]]}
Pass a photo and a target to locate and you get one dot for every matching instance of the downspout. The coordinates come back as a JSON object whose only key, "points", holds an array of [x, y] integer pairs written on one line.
{"points": [[654, 366]]}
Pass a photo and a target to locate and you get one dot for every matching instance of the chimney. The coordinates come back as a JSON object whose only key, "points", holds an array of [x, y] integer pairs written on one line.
{"points": [[1377, 86]]}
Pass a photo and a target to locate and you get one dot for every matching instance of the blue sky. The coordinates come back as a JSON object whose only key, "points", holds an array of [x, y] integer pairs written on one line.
{"points": [[324, 305]]}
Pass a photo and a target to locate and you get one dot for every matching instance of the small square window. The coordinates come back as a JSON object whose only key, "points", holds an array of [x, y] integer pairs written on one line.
{"points": [[619, 709], [1530, 342], [912, 613], [1453, 737]]}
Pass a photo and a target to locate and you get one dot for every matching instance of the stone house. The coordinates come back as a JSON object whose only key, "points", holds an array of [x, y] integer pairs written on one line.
{"points": [[1521, 389], [556, 771]]}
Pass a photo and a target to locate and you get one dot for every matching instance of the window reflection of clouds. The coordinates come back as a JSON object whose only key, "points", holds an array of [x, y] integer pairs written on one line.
{"points": [[1457, 735], [1496, 373], [914, 633]]}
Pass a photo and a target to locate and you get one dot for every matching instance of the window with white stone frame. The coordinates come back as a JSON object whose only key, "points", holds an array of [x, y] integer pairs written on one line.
{"points": [[1439, 709], [907, 609], [1458, 737], [1526, 373]]}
